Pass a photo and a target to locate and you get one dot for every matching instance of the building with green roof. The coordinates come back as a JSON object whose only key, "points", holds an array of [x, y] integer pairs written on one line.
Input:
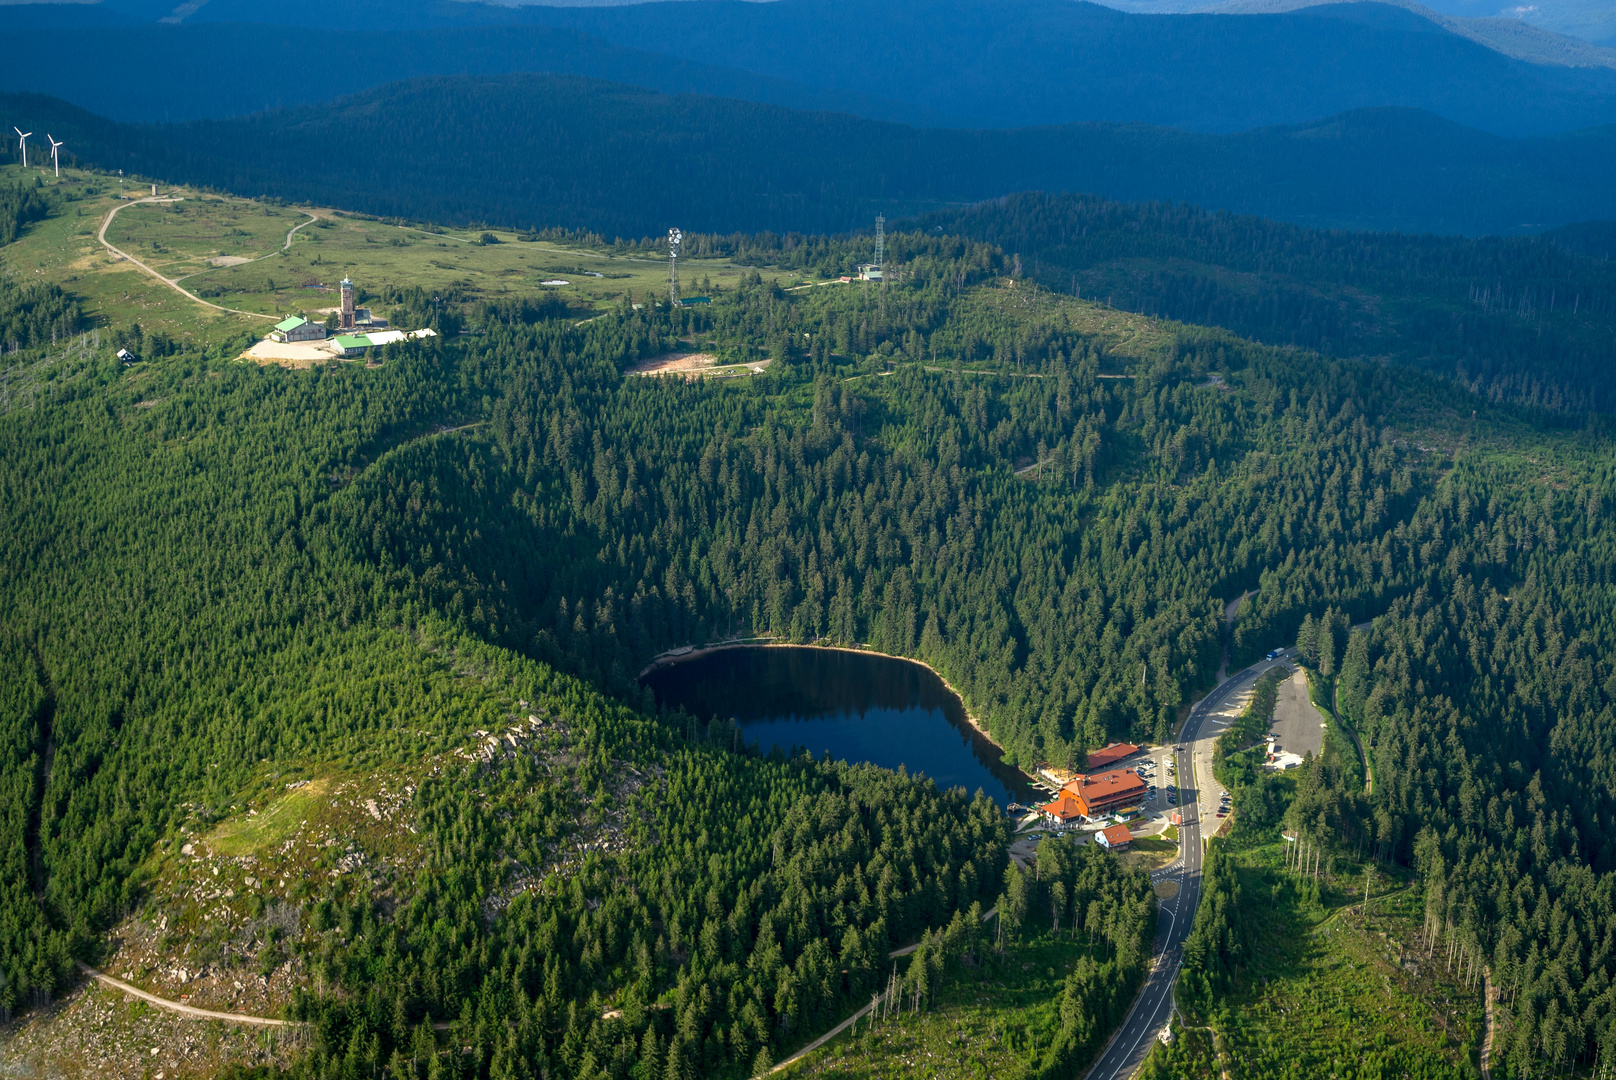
{"points": [[348, 345], [296, 328]]}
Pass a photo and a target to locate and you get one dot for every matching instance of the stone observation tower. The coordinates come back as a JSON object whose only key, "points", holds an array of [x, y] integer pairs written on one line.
{"points": [[346, 320]]}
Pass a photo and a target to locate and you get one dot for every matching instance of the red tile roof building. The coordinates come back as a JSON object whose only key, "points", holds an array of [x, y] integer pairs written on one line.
{"points": [[1115, 838], [1099, 792], [1063, 811], [1110, 755]]}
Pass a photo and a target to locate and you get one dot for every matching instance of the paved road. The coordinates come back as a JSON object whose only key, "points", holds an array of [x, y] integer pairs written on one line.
{"points": [[1153, 1008]]}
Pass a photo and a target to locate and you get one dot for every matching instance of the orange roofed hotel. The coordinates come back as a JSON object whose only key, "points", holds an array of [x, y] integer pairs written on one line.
{"points": [[1091, 796]]}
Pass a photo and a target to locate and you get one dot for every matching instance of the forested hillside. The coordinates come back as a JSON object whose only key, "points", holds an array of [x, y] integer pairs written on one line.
{"points": [[1517, 319], [94, 74], [1008, 64], [219, 576], [536, 151], [217, 626], [1014, 63], [1485, 704]]}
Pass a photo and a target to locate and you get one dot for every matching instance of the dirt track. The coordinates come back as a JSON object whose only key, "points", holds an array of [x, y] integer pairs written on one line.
{"points": [[178, 1007], [172, 284]]}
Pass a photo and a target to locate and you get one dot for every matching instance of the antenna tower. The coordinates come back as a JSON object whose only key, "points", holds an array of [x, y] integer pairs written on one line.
{"points": [[675, 237], [881, 243]]}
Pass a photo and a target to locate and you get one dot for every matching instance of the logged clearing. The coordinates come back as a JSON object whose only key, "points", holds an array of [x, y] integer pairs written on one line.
{"points": [[675, 363], [693, 365]]}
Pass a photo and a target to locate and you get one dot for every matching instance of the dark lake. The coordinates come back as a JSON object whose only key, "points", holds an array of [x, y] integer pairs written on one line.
{"points": [[858, 706]]}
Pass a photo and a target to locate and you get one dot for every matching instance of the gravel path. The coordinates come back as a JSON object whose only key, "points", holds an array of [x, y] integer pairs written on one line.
{"points": [[186, 1010], [102, 237]]}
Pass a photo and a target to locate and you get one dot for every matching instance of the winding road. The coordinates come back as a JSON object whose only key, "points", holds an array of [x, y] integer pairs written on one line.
{"points": [[183, 1009], [174, 283], [1153, 1007]]}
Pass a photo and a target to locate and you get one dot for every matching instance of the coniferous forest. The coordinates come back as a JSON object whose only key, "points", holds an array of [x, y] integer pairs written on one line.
{"points": [[217, 576]]}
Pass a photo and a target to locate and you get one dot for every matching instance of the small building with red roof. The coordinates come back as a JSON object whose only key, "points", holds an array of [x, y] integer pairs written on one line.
{"points": [[1063, 812], [1116, 838]]}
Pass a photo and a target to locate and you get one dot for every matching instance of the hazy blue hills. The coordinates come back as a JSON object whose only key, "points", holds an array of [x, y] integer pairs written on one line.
{"points": [[175, 78], [944, 63], [541, 150], [1009, 63]]}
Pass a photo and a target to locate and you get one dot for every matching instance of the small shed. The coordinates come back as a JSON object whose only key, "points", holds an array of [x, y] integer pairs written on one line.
{"points": [[1116, 838], [126, 356]]}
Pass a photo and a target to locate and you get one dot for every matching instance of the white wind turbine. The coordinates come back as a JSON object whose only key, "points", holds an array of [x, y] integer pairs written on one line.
{"points": [[55, 161], [22, 143]]}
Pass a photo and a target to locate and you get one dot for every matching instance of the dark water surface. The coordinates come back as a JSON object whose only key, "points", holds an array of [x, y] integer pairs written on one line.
{"points": [[858, 706]]}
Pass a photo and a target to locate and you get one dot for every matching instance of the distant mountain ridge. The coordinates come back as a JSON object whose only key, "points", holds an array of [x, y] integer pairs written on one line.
{"points": [[938, 63], [1546, 32], [1011, 63], [164, 88], [536, 150], [1512, 37]]}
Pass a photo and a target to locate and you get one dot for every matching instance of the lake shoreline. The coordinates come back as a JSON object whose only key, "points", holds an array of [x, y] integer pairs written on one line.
{"points": [[692, 652]]}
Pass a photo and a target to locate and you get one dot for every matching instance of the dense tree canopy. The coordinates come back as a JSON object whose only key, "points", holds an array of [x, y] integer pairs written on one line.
{"points": [[212, 569], [1515, 318]]}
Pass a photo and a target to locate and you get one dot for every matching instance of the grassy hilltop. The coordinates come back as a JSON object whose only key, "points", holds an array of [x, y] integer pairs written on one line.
{"points": [[236, 253]]}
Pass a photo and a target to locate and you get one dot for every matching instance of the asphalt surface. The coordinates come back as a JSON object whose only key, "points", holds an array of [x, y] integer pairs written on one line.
{"points": [[1297, 721], [1153, 1008]]}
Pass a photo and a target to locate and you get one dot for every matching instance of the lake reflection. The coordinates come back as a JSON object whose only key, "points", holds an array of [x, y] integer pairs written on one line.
{"points": [[859, 706]]}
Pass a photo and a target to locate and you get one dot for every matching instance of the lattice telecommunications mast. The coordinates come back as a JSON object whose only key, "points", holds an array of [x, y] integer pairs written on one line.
{"points": [[675, 237]]}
